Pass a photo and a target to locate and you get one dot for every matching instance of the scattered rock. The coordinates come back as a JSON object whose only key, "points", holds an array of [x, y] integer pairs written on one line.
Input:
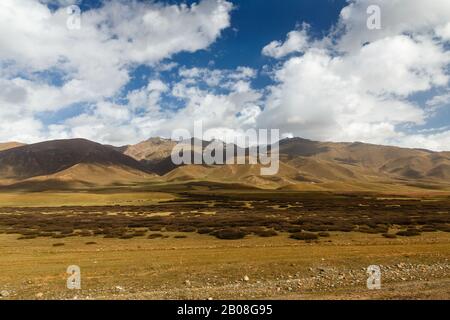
{"points": [[246, 279], [119, 288], [4, 294], [39, 295], [187, 283]]}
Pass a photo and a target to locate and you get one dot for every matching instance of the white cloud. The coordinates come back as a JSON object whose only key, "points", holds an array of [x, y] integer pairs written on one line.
{"points": [[439, 100], [355, 84], [397, 17], [94, 62], [443, 31], [296, 41]]}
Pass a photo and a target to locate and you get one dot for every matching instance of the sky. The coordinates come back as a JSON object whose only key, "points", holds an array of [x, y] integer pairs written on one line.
{"points": [[131, 70]]}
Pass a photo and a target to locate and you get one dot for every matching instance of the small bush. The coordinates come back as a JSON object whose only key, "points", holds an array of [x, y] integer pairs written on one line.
{"points": [[324, 234], [266, 233], [188, 229], [180, 237], [304, 236], [26, 237], [389, 235], [155, 236], [91, 243], [428, 228], [205, 230], [230, 234], [59, 244], [408, 233], [126, 236]]}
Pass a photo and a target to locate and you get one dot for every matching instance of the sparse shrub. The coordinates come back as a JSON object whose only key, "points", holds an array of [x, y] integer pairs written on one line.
{"points": [[304, 236], [266, 233], [188, 229], [428, 228], [389, 235], [204, 230], [155, 236], [408, 233], [180, 237], [126, 236], [324, 234], [443, 227], [91, 243], [26, 237], [294, 229], [59, 244], [229, 234]]}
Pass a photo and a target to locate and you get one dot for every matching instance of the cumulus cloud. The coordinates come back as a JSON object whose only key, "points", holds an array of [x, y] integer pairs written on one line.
{"points": [[296, 41], [352, 84], [94, 62], [356, 84], [234, 108]]}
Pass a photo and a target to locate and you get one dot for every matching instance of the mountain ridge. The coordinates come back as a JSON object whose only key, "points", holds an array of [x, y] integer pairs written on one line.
{"points": [[304, 164]]}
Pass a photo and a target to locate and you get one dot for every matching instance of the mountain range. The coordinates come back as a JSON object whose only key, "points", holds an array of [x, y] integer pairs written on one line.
{"points": [[304, 165]]}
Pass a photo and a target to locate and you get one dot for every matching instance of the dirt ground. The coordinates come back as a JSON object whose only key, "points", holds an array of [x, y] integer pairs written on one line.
{"points": [[202, 267]]}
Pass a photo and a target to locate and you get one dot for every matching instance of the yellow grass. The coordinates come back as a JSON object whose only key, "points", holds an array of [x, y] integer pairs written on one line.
{"points": [[158, 269], [56, 199]]}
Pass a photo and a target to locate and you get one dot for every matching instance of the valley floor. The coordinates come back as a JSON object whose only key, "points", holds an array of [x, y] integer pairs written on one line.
{"points": [[201, 267], [172, 246]]}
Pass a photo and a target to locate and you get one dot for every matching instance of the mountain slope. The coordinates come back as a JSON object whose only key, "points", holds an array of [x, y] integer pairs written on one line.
{"points": [[47, 158], [305, 163], [10, 145]]}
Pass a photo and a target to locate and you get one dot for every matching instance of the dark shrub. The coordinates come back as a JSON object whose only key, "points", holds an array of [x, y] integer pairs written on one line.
{"points": [[58, 244], [180, 237], [188, 229], [126, 236], [155, 236], [408, 233], [294, 229], [428, 228], [26, 237], [91, 242], [204, 230], [324, 234], [389, 235], [304, 236], [266, 233], [443, 227], [230, 234]]}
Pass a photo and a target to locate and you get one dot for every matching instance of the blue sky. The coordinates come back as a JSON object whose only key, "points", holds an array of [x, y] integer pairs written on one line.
{"points": [[136, 69], [254, 24]]}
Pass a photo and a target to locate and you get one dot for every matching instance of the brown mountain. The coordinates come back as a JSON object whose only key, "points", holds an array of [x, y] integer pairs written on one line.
{"points": [[153, 153], [304, 165], [10, 145], [75, 159], [315, 165]]}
